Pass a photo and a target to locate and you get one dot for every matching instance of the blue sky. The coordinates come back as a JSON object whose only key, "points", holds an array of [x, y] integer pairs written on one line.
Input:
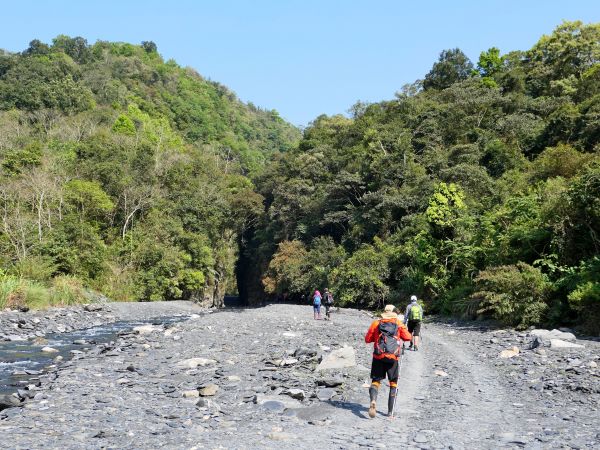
{"points": [[300, 57]]}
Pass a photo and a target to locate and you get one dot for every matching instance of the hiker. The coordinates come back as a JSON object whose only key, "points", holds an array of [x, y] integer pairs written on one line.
{"points": [[386, 334], [413, 318], [328, 299], [317, 305]]}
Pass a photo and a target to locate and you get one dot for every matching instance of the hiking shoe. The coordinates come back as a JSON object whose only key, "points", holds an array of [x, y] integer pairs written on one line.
{"points": [[372, 410], [410, 345]]}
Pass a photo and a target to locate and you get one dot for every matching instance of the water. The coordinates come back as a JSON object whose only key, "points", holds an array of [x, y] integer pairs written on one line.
{"points": [[22, 362]]}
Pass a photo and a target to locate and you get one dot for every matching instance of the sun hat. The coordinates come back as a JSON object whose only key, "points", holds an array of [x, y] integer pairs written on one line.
{"points": [[388, 312], [413, 298]]}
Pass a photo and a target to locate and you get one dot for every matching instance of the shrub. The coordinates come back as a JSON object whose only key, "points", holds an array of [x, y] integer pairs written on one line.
{"points": [[515, 295], [66, 290]]}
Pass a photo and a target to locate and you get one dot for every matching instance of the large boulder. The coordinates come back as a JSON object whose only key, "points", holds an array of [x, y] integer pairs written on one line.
{"points": [[338, 359], [546, 335]]}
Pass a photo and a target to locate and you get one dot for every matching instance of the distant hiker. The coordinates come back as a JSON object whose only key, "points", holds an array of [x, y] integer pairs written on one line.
{"points": [[413, 318], [328, 299], [386, 334], [317, 305]]}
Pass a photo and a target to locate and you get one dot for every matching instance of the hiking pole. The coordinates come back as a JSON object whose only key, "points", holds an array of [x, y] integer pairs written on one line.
{"points": [[399, 370]]}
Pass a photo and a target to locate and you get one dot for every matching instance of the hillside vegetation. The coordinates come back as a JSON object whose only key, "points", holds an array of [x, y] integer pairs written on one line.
{"points": [[123, 173], [476, 188]]}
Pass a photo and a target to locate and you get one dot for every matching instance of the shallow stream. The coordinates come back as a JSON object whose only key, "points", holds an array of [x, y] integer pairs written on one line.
{"points": [[22, 362]]}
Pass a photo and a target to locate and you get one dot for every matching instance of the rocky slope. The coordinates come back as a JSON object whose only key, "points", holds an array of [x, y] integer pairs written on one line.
{"points": [[249, 378]]}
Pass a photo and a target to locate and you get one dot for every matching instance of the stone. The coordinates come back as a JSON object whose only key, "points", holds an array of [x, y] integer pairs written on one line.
{"points": [[146, 329], [209, 390], [192, 363], [440, 373], [289, 402], [559, 343], [331, 382], [280, 436], [40, 341], [298, 394], [338, 359], [93, 307], [8, 401], [326, 394], [14, 338], [553, 334], [288, 361], [511, 353], [190, 394], [592, 364], [49, 350], [274, 406], [420, 438]]}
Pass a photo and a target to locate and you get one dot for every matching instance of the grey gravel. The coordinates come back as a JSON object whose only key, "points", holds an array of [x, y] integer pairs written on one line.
{"points": [[128, 394]]}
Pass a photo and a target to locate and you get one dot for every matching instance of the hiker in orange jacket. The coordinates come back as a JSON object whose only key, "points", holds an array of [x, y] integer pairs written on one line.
{"points": [[387, 335]]}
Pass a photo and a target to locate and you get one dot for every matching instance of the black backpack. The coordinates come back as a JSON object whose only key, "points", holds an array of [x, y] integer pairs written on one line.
{"points": [[328, 299], [387, 342]]}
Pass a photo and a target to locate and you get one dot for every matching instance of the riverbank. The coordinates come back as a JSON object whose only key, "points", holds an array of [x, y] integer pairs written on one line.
{"points": [[17, 325], [249, 378]]}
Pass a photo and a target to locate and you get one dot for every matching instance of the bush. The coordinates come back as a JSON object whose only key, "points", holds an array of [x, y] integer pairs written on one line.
{"points": [[19, 292], [515, 295], [359, 281], [66, 290]]}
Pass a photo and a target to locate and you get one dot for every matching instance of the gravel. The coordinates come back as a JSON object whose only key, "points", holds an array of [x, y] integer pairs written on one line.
{"points": [[255, 373]]}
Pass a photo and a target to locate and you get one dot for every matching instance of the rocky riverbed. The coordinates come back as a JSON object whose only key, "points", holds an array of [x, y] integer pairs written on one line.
{"points": [[251, 378], [19, 326]]}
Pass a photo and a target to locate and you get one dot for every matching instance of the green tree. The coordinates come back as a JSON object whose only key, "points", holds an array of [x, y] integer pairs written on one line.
{"points": [[452, 66]]}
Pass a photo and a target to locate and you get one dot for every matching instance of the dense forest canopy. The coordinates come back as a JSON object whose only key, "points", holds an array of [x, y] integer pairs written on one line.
{"points": [[477, 188], [123, 173]]}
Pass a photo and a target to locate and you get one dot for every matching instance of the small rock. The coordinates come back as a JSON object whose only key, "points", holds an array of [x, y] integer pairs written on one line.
{"points": [[280, 436], [288, 361], [49, 350], [93, 307], [298, 394], [274, 406], [420, 438], [146, 329], [592, 364], [440, 373], [192, 363], [191, 394], [40, 341], [209, 390], [326, 394], [514, 351]]}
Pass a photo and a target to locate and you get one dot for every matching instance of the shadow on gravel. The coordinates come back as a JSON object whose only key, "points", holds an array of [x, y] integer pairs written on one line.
{"points": [[356, 408]]}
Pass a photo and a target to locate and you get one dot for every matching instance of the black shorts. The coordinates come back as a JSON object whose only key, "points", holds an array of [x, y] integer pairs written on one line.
{"points": [[380, 368], [414, 327]]}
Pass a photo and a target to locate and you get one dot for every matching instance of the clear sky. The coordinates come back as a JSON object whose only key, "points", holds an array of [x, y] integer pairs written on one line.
{"points": [[300, 57]]}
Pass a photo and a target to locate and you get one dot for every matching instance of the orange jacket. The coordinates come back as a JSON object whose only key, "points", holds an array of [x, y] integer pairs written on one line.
{"points": [[373, 334]]}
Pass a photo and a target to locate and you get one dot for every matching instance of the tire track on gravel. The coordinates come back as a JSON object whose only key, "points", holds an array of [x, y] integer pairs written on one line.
{"points": [[469, 407]]}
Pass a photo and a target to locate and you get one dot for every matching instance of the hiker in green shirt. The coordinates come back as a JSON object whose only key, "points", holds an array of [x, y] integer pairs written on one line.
{"points": [[413, 318]]}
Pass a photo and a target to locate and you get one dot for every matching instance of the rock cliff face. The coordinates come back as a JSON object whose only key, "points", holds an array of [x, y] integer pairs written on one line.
{"points": [[273, 377]]}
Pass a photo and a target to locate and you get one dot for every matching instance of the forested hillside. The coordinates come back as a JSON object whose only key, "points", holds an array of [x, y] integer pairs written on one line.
{"points": [[123, 173], [476, 188]]}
